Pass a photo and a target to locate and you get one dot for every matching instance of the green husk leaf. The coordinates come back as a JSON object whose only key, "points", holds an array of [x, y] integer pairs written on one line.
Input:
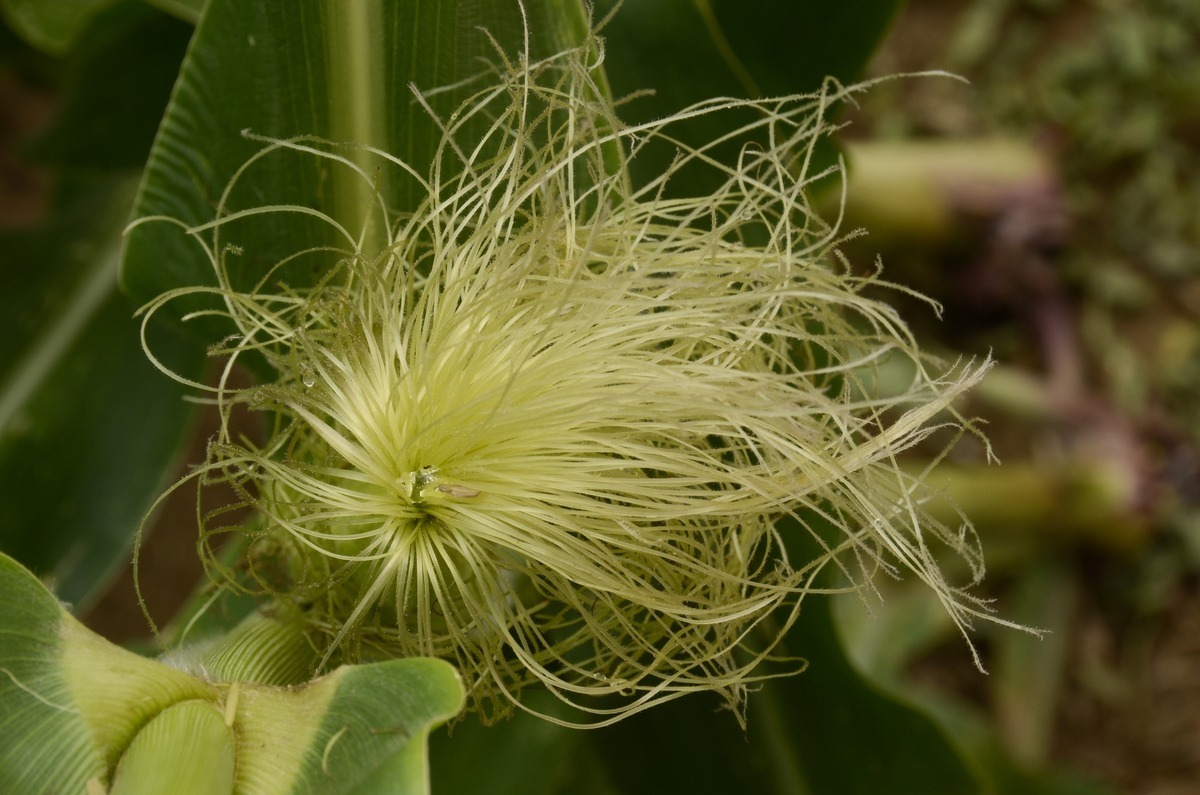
{"points": [[361, 729], [186, 747], [71, 700], [74, 706], [45, 743], [264, 650]]}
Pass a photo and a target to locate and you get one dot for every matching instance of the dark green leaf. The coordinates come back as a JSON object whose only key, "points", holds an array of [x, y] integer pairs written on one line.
{"points": [[1000, 774], [90, 428], [687, 51], [522, 755], [50, 25], [116, 83], [849, 736], [824, 730], [692, 50], [187, 10]]}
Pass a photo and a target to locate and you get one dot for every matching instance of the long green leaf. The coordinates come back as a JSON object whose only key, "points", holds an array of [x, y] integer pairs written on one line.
{"points": [[826, 730], [338, 71], [89, 427]]}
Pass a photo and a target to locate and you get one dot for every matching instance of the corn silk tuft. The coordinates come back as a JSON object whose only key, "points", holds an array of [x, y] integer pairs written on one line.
{"points": [[558, 427]]}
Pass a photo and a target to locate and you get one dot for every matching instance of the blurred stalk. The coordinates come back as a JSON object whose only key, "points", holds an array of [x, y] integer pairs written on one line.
{"points": [[934, 194], [1081, 500], [1030, 670]]}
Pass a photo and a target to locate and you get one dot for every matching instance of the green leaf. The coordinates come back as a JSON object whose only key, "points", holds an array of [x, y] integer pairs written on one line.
{"points": [[265, 650], [187, 10], [1031, 671], [361, 729], [688, 51], [849, 735], [999, 773], [522, 755], [826, 729], [692, 50], [882, 637], [44, 742], [384, 712], [50, 25], [73, 705], [309, 68], [89, 427], [115, 87], [90, 430]]}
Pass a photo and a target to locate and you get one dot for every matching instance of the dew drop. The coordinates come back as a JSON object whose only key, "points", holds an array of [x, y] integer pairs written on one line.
{"points": [[308, 376], [426, 475]]}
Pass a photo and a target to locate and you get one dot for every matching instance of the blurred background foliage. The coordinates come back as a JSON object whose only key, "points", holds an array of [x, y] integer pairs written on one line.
{"points": [[1083, 279], [1051, 205]]}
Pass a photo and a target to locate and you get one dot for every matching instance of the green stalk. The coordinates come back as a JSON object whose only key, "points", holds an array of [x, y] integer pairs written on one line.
{"points": [[932, 195], [1092, 500]]}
